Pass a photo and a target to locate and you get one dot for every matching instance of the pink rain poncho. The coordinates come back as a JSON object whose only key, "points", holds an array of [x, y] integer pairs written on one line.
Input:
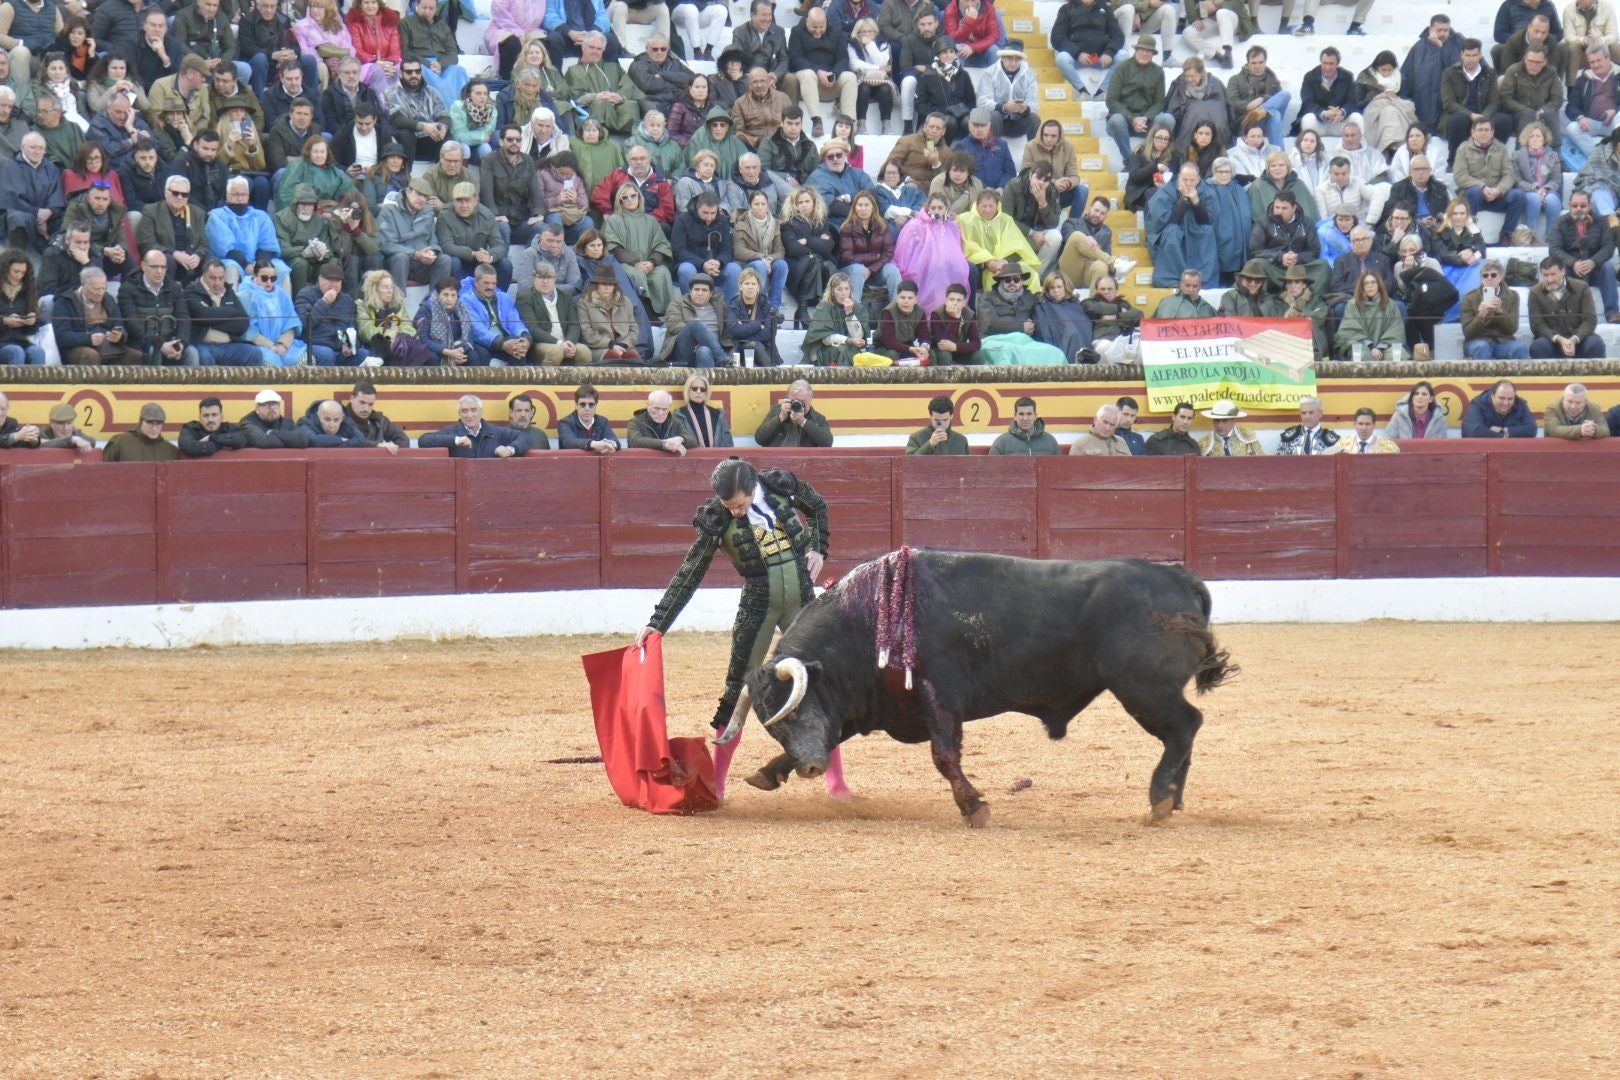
{"points": [[929, 252]]}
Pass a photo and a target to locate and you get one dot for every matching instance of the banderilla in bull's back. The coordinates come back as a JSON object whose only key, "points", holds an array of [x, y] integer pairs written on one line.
{"points": [[977, 635]]}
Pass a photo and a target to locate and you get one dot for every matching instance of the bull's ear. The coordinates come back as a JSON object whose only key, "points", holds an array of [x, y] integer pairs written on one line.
{"points": [[813, 666]]}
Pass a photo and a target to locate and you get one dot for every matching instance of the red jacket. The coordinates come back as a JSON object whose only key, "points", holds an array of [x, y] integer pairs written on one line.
{"points": [[657, 197], [964, 331], [873, 250], [981, 33], [373, 44]]}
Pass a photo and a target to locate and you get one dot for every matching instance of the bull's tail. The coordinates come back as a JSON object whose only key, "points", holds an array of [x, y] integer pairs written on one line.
{"points": [[1196, 584], [1214, 663]]}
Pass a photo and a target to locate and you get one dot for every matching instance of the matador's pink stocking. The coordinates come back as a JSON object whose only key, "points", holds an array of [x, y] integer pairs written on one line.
{"points": [[723, 753], [835, 775]]}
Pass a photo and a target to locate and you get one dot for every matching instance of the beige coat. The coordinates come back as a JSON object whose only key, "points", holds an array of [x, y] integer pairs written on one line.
{"points": [[1558, 426], [1064, 161], [602, 329], [754, 239], [1091, 445]]}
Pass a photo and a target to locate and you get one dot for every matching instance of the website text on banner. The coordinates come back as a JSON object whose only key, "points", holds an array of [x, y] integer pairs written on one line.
{"points": [[1264, 364]]}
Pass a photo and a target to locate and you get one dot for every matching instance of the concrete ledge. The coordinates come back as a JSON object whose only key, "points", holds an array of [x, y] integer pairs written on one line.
{"points": [[623, 611]]}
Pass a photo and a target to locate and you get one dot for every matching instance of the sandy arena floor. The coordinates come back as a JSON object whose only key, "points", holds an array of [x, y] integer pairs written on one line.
{"points": [[1398, 859]]}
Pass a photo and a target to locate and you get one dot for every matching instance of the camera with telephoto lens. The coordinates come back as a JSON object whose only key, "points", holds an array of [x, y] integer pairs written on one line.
{"points": [[796, 405]]}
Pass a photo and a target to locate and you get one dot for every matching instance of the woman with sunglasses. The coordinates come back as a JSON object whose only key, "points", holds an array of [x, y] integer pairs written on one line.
{"points": [[273, 323], [638, 241], [708, 422]]}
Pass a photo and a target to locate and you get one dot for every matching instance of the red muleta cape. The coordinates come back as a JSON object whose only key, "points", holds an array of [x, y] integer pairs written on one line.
{"points": [[645, 766]]}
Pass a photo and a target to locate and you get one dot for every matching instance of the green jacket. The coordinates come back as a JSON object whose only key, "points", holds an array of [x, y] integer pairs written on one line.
{"points": [[62, 142], [1014, 443], [329, 183], [1262, 192], [295, 235], [682, 311], [827, 321], [729, 149], [1380, 325], [787, 496], [634, 236], [585, 81], [1177, 306], [773, 432], [955, 443], [644, 434], [1523, 92], [1245, 27], [1234, 302], [459, 236], [1136, 90], [1316, 311], [668, 156]]}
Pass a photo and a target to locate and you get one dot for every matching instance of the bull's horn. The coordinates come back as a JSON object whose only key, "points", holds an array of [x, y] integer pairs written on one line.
{"points": [[791, 668], [739, 715]]}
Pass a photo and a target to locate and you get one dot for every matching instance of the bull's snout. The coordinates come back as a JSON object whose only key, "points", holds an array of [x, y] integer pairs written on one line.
{"points": [[809, 770]]}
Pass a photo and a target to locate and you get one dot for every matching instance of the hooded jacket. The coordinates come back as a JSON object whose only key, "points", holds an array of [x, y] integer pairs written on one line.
{"points": [[402, 231], [347, 436], [1015, 442]]}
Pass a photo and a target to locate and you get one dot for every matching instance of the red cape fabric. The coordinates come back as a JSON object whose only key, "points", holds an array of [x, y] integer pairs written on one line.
{"points": [[645, 766]]}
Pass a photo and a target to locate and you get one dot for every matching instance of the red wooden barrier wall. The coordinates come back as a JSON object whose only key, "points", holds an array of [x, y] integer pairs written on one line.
{"points": [[79, 535], [1114, 505], [273, 526], [235, 531]]}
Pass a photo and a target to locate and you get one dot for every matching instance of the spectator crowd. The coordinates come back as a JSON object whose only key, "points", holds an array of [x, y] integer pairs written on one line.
{"points": [[263, 183], [794, 421]]}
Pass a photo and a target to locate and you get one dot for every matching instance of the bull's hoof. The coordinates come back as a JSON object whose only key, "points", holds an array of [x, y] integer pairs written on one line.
{"points": [[1161, 810], [765, 781], [979, 818]]}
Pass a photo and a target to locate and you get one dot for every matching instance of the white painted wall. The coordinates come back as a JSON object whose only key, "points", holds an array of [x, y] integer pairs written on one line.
{"points": [[623, 611]]}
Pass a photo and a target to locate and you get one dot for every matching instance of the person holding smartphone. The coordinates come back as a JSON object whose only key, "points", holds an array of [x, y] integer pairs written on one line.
{"points": [[937, 437], [1490, 318]]}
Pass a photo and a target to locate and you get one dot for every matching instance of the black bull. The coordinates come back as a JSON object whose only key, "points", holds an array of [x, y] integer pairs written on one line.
{"points": [[993, 634]]}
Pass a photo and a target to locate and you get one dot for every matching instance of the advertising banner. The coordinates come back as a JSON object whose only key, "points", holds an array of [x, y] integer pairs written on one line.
{"points": [[1261, 364]]}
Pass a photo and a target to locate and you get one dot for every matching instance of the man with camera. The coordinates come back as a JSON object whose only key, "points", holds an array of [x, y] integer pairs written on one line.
{"points": [[938, 438], [795, 421]]}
